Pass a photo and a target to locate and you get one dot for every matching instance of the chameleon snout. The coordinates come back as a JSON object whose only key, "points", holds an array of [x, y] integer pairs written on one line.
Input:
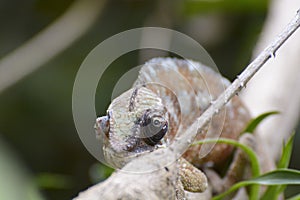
{"points": [[102, 126]]}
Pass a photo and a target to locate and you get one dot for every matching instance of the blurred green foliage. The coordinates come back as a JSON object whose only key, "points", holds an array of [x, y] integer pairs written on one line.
{"points": [[36, 114], [227, 6], [15, 179]]}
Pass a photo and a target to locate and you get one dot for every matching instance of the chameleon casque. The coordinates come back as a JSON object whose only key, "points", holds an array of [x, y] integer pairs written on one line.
{"points": [[167, 97]]}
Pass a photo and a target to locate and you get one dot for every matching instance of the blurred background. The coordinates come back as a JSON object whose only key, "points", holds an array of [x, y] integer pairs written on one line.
{"points": [[41, 155]]}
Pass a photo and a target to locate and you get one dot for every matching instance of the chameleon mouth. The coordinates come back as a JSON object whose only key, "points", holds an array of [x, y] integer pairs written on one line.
{"points": [[118, 159], [164, 143]]}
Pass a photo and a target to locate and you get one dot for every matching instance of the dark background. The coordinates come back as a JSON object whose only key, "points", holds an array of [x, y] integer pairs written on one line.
{"points": [[36, 125]]}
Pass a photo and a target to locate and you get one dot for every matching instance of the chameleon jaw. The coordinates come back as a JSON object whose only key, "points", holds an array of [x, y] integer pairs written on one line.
{"points": [[117, 157]]}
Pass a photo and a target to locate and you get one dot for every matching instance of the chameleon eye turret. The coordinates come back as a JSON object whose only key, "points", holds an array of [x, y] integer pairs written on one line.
{"points": [[154, 127]]}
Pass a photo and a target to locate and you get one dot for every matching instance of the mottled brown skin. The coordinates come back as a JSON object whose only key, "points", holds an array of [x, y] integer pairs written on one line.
{"points": [[233, 126], [178, 91], [204, 82]]}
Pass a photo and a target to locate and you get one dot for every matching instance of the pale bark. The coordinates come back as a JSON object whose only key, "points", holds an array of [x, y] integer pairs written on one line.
{"points": [[276, 86]]}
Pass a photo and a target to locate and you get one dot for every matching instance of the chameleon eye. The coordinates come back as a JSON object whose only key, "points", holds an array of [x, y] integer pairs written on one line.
{"points": [[154, 130], [156, 122]]}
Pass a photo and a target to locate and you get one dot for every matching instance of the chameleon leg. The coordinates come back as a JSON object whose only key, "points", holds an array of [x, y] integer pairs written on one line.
{"points": [[192, 179], [237, 170]]}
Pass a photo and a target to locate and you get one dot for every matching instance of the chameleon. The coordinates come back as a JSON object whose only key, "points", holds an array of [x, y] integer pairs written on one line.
{"points": [[167, 97]]}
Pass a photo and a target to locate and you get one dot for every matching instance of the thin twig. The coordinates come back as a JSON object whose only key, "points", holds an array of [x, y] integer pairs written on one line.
{"points": [[49, 42], [274, 88], [238, 84]]}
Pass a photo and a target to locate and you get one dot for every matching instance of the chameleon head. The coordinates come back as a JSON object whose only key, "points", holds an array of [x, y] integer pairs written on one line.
{"points": [[136, 122]]}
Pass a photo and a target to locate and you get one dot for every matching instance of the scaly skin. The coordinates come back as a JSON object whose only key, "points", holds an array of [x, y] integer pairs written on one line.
{"points": [[171, 93]]}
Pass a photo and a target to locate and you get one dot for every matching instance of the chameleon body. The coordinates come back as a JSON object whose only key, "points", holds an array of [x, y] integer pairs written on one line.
{"points": [[167, 97]]}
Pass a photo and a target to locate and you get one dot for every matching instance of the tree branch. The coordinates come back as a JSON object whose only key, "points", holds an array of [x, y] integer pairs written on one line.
{"points": [[160, 184], [275, 87], [238, 84]]}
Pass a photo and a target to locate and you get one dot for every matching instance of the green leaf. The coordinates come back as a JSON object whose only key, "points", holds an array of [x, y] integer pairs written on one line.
{"points": [[192, 7], [256, 121], [251, 154], [53, 181], [297, 197], [273, 191], [286, 153], [276, 177]]}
